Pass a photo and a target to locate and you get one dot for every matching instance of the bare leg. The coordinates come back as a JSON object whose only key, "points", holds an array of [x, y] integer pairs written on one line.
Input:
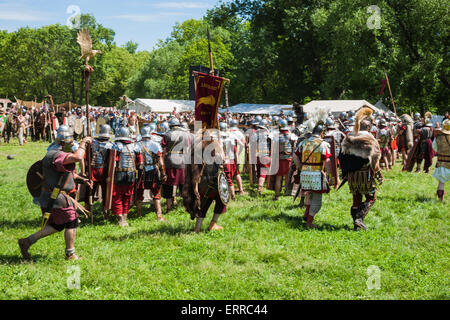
{"points": [[277, 187], [239, 183], [198, 225], [69, 237], [213, 225], [158, 209], [26, 243], [261, 185]]}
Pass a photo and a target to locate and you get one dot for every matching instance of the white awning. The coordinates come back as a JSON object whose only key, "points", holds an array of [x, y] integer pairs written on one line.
{"points": [[161, 105]]}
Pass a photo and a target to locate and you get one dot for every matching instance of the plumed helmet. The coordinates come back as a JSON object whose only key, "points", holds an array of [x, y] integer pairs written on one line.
{"points": [[123, 134], [174, 122], [283, 124], [223, 126], [164, 127], [416, 116], [146, 132], [105, 131], [234, 123], [329, 123], [64, 134]]}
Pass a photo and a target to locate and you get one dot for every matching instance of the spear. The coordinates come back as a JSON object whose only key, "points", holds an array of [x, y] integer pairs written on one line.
{"points": [[211, 62], [390, 92]]}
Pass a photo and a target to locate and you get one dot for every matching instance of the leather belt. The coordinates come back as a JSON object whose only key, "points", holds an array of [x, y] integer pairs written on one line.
{"points": [[125, 170]]}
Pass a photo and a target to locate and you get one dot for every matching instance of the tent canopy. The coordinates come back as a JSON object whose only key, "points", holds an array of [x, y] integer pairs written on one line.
{"points": [[338, 106], [161, 105], [250, 108]]}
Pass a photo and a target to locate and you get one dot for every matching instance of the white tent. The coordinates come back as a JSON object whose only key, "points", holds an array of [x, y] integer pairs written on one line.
{"points": [[338, 106], [259, 108], [161, 105]]}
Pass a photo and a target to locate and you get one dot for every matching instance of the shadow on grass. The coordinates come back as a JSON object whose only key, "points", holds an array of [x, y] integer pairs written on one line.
{"points": [[161, 229], [17, 259], [33, 223], [295, 222]]}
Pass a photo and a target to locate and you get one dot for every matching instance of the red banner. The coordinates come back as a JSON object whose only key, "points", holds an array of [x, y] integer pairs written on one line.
{"points": [[383, 86], [207, 99]]}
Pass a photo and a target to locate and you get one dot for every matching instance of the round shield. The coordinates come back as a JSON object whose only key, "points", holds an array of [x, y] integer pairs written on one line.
{"points": [[100, 121], [78, 128], [35, 177], [224, 191]]}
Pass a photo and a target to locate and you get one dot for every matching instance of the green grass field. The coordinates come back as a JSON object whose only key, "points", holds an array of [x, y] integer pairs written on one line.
{"points": [[265, 251]]}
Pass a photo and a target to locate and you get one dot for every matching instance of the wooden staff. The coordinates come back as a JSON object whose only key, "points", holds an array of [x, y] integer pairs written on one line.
{"points": [[390, 92], [87, 73], [211, 62]]}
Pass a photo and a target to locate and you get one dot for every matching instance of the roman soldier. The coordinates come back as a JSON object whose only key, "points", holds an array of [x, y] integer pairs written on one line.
{"points": [[100, 153], [384, 137], [153, 172], [425, 150], [2, 122], [360, 166], [174, 143], [229, 147], [312, 159], [441, 145], [338, 135], [239, 138], [260, 149], [128, 159], [285, 148], [57, 196], [206, 183], [405, 136]]}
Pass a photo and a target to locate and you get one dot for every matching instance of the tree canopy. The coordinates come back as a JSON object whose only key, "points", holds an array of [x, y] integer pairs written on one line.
{"points": [[274, 51]]}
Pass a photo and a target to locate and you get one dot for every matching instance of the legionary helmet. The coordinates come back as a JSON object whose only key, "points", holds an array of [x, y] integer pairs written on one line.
{"points": [[223, 126], [105, 131], [64, 134], [258, 118], [290, 119], [174, 122], [153, 127], [123, 134], [416, 116], [146, 132], [263, 124], [329, 123], [283, 124], [164, 127], [351, 114], [318, 129], [234, 123], [342, 115]]}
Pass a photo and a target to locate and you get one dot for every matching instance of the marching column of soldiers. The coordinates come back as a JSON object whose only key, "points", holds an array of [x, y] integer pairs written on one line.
{"points": [[159, 160]]}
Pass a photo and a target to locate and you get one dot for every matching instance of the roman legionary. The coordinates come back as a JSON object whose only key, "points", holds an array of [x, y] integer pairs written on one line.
{"points": [[239, 137], [175, 143], [360, 166], [384, 137], [312, 159], [405, 136], [425, 150], [206, 182], [285, 148], [337, 134], [441, 145], [100, 148], [260, 148], [57, 197], [229, 147], [153, 172], [128, 159]]}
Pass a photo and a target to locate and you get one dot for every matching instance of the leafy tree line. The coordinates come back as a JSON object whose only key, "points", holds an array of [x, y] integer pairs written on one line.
{"points": [[46, 60], [274, 51]]}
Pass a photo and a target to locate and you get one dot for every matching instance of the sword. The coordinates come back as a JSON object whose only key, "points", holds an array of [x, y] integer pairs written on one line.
{"points": [[342, 183], [298, 192]]}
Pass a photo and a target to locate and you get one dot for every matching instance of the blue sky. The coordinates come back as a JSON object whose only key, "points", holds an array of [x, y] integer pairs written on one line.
{"points": [[143, 21]]}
